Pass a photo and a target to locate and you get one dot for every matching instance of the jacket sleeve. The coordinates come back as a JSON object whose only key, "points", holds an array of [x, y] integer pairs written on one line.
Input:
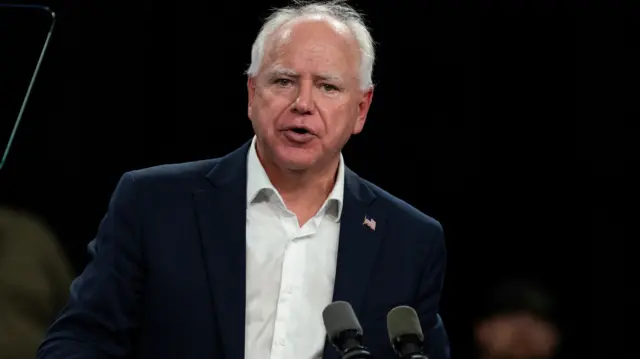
{"points": [[103, 308], [436, 343]]}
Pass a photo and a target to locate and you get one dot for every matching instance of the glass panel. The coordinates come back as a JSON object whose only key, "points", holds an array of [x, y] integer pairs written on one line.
{"points": [[24, 36]]}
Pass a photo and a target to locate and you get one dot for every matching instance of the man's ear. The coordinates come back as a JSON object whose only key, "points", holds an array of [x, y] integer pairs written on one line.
{"points": [[251, 91], [363, 110]]}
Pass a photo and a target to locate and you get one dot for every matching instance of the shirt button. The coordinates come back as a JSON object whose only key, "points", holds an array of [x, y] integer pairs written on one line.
{"points": [[281, 342]]}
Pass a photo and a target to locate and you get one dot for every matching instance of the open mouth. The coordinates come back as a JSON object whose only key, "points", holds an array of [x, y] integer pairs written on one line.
{"points": [[299, 134], [300, 130]]}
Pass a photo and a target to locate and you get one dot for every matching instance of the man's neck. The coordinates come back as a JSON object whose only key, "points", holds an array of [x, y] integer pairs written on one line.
{"points": [[299, 184], [305, 191]]}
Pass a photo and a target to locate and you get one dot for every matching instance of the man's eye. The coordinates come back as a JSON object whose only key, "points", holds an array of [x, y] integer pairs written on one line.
{"points": [[329, 88], [283, 82]]}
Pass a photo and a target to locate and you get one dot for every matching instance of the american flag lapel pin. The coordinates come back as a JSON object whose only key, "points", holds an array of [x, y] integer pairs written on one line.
{"points": [[370, 222]]}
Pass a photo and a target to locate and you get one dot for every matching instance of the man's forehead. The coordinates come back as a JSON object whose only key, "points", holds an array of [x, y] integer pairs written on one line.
{"points": [[333, 41]]}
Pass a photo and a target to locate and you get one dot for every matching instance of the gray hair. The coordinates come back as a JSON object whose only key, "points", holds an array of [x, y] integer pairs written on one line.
{"points": [[333, 10]]}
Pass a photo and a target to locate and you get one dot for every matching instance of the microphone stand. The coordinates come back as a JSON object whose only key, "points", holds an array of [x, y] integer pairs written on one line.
{"points": [[409, 346]]}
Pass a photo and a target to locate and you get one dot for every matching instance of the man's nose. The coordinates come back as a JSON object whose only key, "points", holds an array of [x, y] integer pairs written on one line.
{"points": [[304, 103]]}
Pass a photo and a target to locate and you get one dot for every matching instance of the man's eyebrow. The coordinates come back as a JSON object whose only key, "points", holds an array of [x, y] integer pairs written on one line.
{"points": [[327, 76], [281, 71]]}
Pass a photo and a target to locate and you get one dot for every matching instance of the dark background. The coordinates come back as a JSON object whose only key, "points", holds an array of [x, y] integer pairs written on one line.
{"points": [[500, 119]]}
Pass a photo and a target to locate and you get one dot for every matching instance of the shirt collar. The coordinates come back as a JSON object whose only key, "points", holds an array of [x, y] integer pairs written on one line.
{"points": [[258, 182]]}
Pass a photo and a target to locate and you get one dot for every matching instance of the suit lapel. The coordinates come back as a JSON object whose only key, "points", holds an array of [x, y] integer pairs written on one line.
{"points": [[358, 245], [221, 213]]}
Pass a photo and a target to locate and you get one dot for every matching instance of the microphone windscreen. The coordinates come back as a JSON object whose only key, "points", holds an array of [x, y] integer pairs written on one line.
{"points": [[338, 317], [403, 320]]}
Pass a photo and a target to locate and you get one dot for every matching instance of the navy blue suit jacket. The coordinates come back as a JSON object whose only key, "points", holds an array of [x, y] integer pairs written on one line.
{"points": [[167, 278]]}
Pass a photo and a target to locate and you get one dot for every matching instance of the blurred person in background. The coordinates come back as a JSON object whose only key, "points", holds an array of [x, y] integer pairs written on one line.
{"points": [[34, 282], [517, 323]]}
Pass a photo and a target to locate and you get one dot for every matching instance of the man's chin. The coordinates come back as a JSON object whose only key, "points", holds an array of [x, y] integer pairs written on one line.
{"points": [[296, 165], [296, 159]]}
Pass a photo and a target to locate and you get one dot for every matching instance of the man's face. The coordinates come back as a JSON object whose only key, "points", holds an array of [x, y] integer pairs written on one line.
{"points": [[305, 101]]}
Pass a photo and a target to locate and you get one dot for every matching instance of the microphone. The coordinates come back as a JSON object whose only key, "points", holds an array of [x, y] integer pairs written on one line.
{"points": [[405, 333], [344, 331]]}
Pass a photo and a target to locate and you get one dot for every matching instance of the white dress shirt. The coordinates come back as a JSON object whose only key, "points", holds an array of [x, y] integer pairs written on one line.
{"points": [[290, 269]]}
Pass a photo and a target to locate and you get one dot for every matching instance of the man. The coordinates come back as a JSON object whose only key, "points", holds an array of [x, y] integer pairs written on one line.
{"points": [[236, 257]]}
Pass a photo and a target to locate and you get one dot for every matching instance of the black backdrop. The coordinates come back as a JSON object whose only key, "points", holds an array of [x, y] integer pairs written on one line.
{"points": [[488, 116]]}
